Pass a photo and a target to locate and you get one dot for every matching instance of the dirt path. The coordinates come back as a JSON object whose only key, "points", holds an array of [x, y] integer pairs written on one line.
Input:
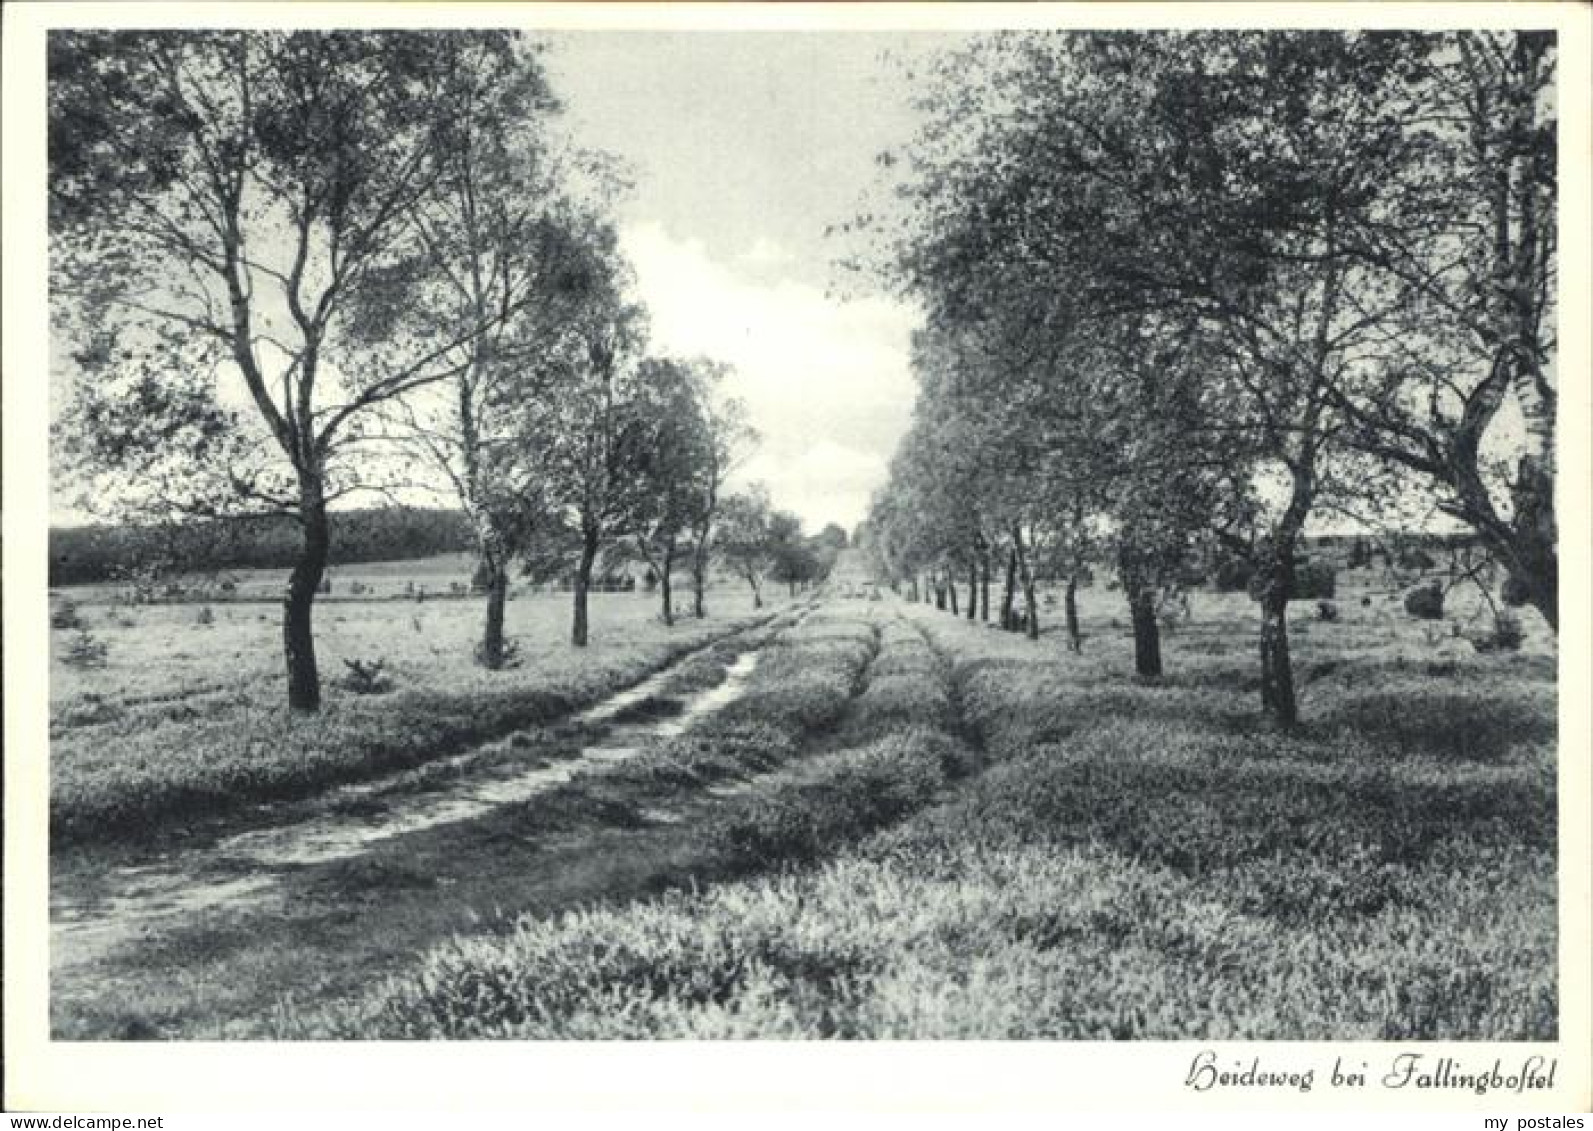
{"points": [[129, 937], [268, 925]]}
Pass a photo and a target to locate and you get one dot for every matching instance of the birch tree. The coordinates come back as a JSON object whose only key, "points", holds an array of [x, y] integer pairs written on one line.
{"points": [[222, 204]]}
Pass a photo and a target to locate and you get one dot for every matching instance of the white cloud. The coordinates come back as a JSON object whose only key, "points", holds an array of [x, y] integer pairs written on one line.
{"points": [[765, 252], [827, 384], [823, 483]]}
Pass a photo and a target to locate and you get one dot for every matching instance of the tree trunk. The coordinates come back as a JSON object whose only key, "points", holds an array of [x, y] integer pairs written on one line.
{"points": [[1535, 534], [951, 589], [1010, 592], [699, 581], [583, 583], [973, 589], [1147, 633], [984, 586], [1031, 607], [1277, 670], [663, 587], [940, 594], [1142, 613], [914, 584], [1070, 609], [497, 595], [1534, 553], [298, 636]]}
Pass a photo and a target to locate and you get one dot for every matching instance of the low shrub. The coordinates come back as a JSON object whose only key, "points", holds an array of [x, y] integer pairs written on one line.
{"points": [[366, 677], [85, 651], [848, 794], [1507, 635], [1314, 580], [1327, 611], [907, 688], [87, 709], [711, 753], [1514, 592], [806, 678], [64, 614], [205, 616], [899, 700], [1426, 602], [1172, 609]]}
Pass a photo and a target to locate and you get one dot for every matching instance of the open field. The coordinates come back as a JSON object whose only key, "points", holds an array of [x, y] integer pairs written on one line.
{"points": [[437, 577], [186, 719], [895, 823], [166, 652]]}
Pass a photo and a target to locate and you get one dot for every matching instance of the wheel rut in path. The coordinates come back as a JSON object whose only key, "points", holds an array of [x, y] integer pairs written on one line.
{"points": [[831, 738], [850, 735]]}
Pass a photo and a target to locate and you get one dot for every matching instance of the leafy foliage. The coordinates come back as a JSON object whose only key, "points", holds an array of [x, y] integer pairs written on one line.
{"points": [[1193, 287]]}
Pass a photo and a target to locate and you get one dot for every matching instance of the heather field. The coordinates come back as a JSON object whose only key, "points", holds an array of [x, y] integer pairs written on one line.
{"points": [[1000, 839], [845, 816], [182, 719]]}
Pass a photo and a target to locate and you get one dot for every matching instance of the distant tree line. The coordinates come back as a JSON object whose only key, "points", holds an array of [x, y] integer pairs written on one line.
{"points": [[82, 554]]}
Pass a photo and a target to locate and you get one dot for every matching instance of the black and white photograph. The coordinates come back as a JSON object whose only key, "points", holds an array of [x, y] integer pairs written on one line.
{"points": [[1040, 530]]}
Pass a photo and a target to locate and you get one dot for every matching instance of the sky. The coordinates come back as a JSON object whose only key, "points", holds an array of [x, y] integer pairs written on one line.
{"points": [[742, 148]]}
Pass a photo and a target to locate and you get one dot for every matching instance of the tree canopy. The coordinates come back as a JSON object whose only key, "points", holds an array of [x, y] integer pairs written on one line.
{"points": [[1183, 288]]}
